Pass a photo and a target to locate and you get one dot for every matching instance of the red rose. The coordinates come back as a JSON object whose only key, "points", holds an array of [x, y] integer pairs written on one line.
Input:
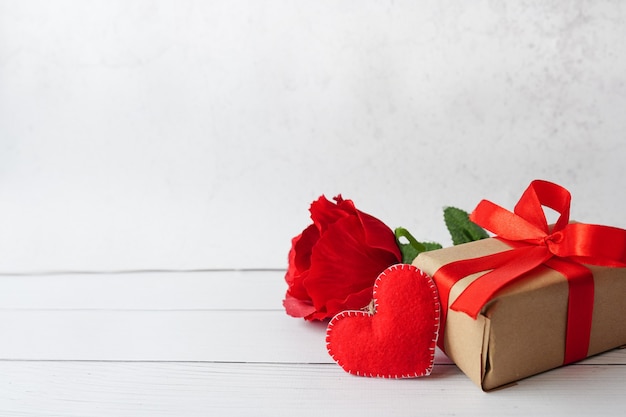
{"points": [[334, 262]]}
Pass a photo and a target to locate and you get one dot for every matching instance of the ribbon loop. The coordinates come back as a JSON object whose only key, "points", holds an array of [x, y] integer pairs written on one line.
{"points": [[505, 224], [543, 193]]}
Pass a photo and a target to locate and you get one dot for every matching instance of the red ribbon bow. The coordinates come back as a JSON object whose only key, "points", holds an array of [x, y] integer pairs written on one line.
{"points": [[564, 248]]}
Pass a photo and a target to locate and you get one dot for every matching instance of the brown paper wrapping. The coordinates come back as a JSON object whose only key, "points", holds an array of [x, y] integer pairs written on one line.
{"points": [[521, 332]]}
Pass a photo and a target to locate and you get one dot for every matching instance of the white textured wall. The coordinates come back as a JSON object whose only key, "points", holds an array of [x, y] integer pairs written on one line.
{"points": [[192, 134]]}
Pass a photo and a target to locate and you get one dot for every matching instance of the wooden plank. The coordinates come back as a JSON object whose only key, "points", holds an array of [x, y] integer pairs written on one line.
{"points": [[197, 316], [161, 316], [230, 336], [222, 336], [215, 343], [201, 389], [131, 335], [242, 290]]}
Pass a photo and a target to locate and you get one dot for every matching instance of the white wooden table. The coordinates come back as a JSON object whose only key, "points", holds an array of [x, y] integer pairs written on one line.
{"points": [[217, 343]]}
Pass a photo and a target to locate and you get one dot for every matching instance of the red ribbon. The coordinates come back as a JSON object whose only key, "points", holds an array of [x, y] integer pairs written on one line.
{"points": [[564, 248]]}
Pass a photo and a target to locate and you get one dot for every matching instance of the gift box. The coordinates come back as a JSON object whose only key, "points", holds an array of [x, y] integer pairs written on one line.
{"points": [[533, 298]]}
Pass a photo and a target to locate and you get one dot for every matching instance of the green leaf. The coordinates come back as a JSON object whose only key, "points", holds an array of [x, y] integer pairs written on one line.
{"points": [[461, 228], [413, 248], [431, 246]]}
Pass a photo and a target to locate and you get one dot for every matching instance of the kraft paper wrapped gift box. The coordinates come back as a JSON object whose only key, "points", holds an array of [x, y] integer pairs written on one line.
{"points": [[522, 331], [537, 296]]}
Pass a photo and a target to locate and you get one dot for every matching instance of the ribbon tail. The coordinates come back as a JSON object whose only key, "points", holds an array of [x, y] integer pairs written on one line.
{"points": [[480, 291], [449, 274]]}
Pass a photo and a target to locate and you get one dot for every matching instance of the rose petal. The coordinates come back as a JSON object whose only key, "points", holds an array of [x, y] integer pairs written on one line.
{"points": [[361, 298], [297, 308], [325, 213], [333, 263], [302, 248], [342, 264], [378, 235]]}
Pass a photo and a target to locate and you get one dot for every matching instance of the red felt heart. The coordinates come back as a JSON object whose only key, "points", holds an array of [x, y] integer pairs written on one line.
{"points": [[397, 340]]}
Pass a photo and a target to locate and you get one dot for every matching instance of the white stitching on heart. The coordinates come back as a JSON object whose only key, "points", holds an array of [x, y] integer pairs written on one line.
{"points": [[349, 313]]}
